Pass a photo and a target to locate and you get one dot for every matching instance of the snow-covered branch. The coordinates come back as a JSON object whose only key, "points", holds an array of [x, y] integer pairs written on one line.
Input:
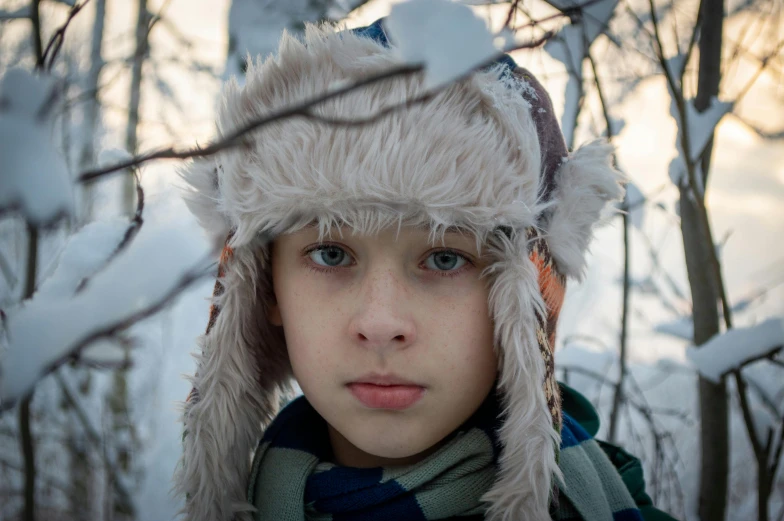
{"points": [[140, 281], [736, 348], [17, 14], [34, 178]]}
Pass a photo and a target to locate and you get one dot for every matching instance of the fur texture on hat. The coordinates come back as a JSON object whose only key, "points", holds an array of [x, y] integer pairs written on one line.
{"points": [[471, 157]]}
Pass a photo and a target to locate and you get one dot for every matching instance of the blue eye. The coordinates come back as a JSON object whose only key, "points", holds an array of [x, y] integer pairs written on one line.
{"points": [[329, 256], [445, 261]]}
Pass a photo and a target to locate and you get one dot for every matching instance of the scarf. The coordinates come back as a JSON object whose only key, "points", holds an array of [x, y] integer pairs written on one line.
{"points": [[292, 478]]}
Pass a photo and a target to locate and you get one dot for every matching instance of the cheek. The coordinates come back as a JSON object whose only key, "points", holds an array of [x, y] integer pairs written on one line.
{"points": [[310, 327], [466, 333]]}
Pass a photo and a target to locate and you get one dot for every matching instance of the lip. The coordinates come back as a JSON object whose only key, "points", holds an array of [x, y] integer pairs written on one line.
{"points": [[386, 391]]}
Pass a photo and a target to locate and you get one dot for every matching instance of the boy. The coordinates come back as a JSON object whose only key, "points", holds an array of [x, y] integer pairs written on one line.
{"points": [[408, 275]]}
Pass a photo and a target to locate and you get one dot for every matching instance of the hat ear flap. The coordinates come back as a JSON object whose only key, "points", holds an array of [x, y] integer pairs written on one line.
{"points": [[584, 185], [242, 370]]}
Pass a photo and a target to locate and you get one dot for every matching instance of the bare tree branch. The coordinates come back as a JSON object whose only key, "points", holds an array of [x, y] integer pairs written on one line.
{"points": [[35, 17], [136, 222], [28, 453], [56, 41], [25, 431], [764, 61], [764, 134], [692, 44], [95, 439], [300, 109], [750, 360], [748, 419]]}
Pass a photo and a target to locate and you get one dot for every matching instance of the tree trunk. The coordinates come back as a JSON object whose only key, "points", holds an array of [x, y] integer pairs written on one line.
{"points": [[92, 108], [131, 137], [714, 435], [764, 486]]}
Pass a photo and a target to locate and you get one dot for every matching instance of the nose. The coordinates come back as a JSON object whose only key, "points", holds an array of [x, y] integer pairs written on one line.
{"points": [[383, 319]]}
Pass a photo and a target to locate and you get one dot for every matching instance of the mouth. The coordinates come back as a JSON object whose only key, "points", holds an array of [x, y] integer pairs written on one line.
{"points": [[386, 392]]}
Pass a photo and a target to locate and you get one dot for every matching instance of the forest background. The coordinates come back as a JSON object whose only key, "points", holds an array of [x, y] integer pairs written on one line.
{"points": [[102, 296]]}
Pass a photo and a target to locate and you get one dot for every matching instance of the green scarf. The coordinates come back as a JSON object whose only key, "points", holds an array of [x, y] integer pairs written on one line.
{"points": [[292, 478]]}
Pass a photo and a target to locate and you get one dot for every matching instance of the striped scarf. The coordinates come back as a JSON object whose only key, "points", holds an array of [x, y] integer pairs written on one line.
{"points": [[292, 478]]}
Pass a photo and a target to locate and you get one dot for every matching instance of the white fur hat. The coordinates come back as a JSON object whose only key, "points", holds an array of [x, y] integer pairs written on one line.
{"points": [[418, 165]]}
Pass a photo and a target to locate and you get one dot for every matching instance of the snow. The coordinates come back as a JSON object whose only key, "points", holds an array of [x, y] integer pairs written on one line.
{"points": [[702, 125], [85, 253], [573, 41], [730, 350], [569, 48], [674, 65], [595, 16], [47, 328], [33, 176], [106, 351], [112, 156], [255, 28], [463, 43]]}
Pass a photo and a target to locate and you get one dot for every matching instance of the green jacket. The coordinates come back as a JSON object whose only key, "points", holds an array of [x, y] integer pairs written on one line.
{"points": [[629, 467]]}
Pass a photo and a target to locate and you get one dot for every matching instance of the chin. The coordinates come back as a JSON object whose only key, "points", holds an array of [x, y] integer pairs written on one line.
{"points": [[382, 445]]}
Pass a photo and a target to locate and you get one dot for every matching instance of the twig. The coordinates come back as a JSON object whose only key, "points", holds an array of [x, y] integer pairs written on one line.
{"points": [[232, 139], [130, 233], [774, 465], [692, 43], [763, 65], [764, 134], [618, 391], [35, 18], [510, 15], [300, 109], [747, 416], [95, 439], [769, 355], [25, 434], [137, 221], [56, 41], [28, 453], [766, 400]]}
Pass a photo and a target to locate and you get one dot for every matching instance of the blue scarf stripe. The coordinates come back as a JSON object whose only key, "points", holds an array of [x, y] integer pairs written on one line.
{"points": [[342, 480], [572, 433], [403, 506], [630, 514]]}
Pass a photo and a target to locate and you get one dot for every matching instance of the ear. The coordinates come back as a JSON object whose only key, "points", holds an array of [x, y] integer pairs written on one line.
{"points": [[273, 314]]}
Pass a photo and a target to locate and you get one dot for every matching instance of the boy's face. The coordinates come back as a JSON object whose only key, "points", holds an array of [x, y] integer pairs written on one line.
{"points": [[389, 337]]}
